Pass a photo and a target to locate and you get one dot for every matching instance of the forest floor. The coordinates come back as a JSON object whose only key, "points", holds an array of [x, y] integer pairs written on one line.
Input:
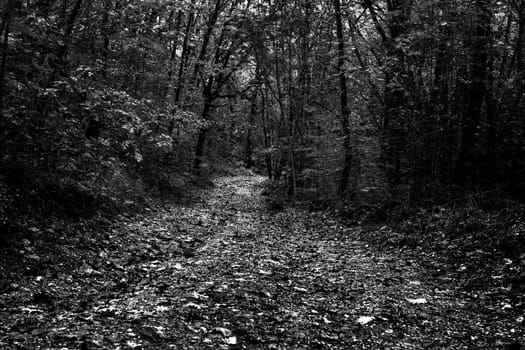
{"points": [[226, 272]]}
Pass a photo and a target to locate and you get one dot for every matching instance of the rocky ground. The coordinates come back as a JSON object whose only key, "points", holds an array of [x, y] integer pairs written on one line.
{"points": [[227, 272]]}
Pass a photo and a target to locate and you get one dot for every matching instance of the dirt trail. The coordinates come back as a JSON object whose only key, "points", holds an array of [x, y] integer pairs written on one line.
{"points": [[226, 273]]}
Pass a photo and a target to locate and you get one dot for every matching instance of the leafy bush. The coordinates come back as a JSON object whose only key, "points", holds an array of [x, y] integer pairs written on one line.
{"points": [[79, 146]]}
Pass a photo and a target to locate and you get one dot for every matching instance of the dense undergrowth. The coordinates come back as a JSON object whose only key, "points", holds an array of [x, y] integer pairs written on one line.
{"points": [[100, 147], [82, 132], [478, 239], [479, 245]]}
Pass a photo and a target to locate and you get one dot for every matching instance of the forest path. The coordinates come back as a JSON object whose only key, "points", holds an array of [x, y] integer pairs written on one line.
{"points": [[226, 273]]}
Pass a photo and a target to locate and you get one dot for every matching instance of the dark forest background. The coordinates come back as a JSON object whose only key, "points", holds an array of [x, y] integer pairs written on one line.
{"points": [[400, 104]]}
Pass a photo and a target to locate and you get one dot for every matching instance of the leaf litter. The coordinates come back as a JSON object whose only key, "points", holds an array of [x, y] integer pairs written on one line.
{"points": [[227, 273]]}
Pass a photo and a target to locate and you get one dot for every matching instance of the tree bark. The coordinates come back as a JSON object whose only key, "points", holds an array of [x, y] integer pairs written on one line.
{"points": [[266, 137], [519, 104], [343, 98], [214, 16], [520, 57], [469, 153], [248, 150], [5, 47], [199, 148], [106, 27], [184, 59], [394, 128], [68, 29], [8, 13], [175, 41], [439, 103], [395, 119]]}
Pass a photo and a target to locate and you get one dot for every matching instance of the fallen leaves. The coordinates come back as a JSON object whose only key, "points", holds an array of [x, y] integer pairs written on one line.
{"points": [[227, 274], [362, 320], [231, 340], [224, 331], [417, 300]]}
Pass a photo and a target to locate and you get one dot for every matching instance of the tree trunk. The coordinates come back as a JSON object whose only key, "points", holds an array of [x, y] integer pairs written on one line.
{"points": [[469, 154], [520, 60], [62, 50], [173, 55], [520, 49], [519, 104], [6, 27], [214, 16], [199, 148], [8, 13], [439, 103], [268, 155], [248, 150], [292, 175], [184, 59], [343, 98], [175, 41], [68, 29], [106, 27], [396, 116], [394, 133]]}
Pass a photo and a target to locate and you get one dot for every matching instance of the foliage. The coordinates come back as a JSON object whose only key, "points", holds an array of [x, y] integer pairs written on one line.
{"points": [[121, 98], [76, 137]]}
